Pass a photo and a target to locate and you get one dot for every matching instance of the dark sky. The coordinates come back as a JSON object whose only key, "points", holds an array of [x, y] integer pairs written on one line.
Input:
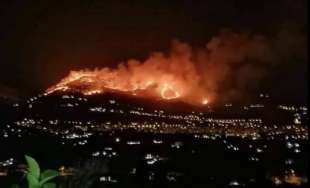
{"points": [[40, 41]]}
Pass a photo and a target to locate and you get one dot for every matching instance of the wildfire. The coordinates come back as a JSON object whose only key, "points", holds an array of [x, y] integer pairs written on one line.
{"points": [[166, 87], [229, 62], [173, 77]]}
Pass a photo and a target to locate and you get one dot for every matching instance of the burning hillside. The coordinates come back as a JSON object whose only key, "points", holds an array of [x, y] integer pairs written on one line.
{"points": [[191, 75], [158, 85]]}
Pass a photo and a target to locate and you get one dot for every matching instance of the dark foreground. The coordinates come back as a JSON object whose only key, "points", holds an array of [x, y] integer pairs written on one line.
{"points": [[130, 159]]}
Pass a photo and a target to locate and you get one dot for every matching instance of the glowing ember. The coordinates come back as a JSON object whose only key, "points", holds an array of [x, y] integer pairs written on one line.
{"points": [[205, 101]]}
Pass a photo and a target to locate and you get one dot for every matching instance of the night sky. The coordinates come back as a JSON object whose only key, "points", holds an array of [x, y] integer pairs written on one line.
{"points": [[41, 41]]}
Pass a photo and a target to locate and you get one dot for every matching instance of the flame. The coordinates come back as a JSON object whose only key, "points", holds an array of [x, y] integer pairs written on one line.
{"points": [[166, 87], [168, 92]]}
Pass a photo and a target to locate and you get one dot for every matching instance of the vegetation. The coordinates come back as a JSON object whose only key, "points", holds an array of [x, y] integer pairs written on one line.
{"points": [[35, 178]]}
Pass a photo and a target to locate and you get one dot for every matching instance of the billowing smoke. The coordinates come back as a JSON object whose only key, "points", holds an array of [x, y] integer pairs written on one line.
{"points": [[230, 63]]}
